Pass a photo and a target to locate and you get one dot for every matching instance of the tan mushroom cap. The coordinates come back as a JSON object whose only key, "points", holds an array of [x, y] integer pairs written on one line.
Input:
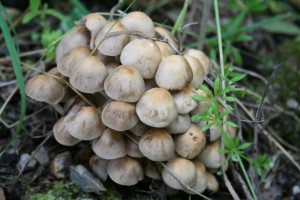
{"points": [[182, 169], [54, 71], [125, 171], [132, 146], [152, 169], [212, 183], [165, 49], [110, 145], [198, 71], [142, 54], [157, 145], [120, 116], [201, 57], [99, 167], [139, 129], [62, 135], [191, 143], [77, 38], [173, 73], [210, 156], [112, 45], [44, 88], [93, 22], [86, 124], [157, 108], [184, 101], [201, 182], [125, 84], [111, 66], [71, 59], [89, 75], [162, 32], [180, 125], [138, 22]]}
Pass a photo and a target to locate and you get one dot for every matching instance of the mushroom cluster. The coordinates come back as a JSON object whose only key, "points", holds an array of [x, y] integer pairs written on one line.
{"points": [[147, 88]]}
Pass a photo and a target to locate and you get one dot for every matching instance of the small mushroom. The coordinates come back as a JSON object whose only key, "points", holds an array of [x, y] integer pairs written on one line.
{"points": [[184, 101], [125, 83], [99, 167], [139, 129], [110, 39], [86, 124], [165, 49], [164, 33], [152, 169], [212, 183], [157, 108], [125, 171], [201, 182], [62, 135], [173, 73], [201, 57], [110, 145], [120, 116], [191, 143], [60, 164], [183, 169], [138, 22], [44, 88], [89, 75], [198, 71], [142, 54], [157, 145], [180, 125], [132, 146]]}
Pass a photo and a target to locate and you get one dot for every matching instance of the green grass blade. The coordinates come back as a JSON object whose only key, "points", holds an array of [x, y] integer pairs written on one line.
{"points": [[18, 73], [179, 22]]}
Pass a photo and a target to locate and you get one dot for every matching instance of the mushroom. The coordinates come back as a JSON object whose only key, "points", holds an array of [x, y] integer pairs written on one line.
{"points": [[71, 59], [89, 75], [99, 167], [201, 57], [184, 101], [156, 108], [44, 88], [93, 22], [132, 146], [62, 135], [110, 39], [111, 66], [201, 182], [212, 183], [138, 22], [210, 156], [139, 129], [125, 171], [164, 33], [142, 54], [198, 71], [180, 125], [179, 169], [86, 124], [191, 143], [125, 83], [157, 145], [173, 73], [110, 145], [120, 116], [152, 169], [165, 49]]}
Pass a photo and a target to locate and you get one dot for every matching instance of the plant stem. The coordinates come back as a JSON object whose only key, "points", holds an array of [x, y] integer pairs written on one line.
{"points": [[246, 177]]}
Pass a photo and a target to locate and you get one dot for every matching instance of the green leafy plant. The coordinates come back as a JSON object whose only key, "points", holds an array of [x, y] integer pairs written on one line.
{"points": [[47, 36]]}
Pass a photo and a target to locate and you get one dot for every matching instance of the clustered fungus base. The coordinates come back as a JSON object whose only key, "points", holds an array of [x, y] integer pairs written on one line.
{"points": [[144, 123]]}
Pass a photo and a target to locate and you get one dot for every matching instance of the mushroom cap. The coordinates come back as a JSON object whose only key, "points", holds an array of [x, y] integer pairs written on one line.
{"points": [[111, 66], [201, 57], [201, 182], [180, 125], [157, 145], [71, 59], [191, 143], [173, 73], [125, 83], [62, 135], [210, 156], [142, 54], [77, 38], [198, 71], [112, 45], [139, 129], [86, 124], [184, 101], [152, 169], [164, 33], [132, 147], [157, 108], [89, 75], [44, 88], [165, 49], [212, 182], [125, 171], [138, 22], [182, 169], [110, 145], [54, 71], [99, 167], [120, 116], [202, 105]]}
